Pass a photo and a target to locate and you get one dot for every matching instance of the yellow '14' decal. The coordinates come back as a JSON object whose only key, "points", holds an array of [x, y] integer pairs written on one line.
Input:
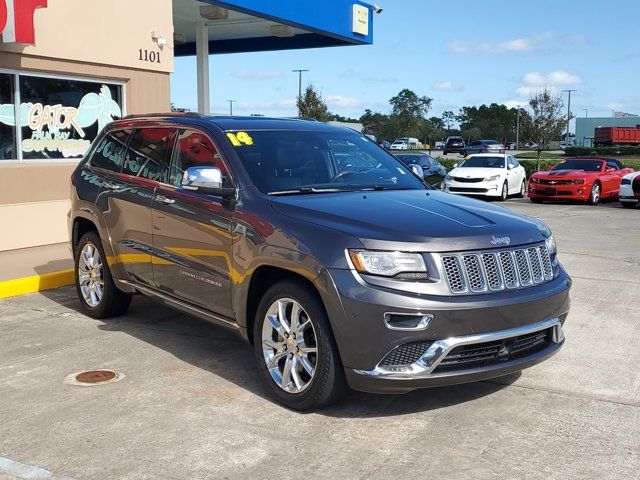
{"points": [[239, 139]]}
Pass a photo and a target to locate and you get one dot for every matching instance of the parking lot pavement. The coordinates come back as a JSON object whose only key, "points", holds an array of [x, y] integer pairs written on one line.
{"points": [[191, 406]]}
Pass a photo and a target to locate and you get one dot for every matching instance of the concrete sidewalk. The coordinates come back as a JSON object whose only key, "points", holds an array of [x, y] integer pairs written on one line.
{"points": [[35, 269]]}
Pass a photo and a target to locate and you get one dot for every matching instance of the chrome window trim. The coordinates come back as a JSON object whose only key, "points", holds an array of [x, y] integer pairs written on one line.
{"points": [[425, 365]]}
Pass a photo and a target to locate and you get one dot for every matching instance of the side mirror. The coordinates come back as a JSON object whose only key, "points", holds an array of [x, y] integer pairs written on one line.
{"points": [[610, 169], [206, 180], [417, 169]]}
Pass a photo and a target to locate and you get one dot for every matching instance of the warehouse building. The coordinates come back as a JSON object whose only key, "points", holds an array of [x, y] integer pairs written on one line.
{"points": [[585, 127]]}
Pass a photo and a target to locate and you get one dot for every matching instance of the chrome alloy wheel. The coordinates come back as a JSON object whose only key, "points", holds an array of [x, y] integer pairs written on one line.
{"points": [[90, 275], [289, 345], [595, 193]]}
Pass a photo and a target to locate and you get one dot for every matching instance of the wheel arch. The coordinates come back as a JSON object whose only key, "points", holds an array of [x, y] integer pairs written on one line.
{"points": [[262, 278]]}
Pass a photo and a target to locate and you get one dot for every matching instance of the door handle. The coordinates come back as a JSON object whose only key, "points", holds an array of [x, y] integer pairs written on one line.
{"points": [[165, 200]]}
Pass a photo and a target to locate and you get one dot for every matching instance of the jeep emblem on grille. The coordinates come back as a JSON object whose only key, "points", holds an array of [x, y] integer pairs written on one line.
{"points": [[500, 240]]}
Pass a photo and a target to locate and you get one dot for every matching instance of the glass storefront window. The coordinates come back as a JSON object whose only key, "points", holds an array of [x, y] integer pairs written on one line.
{"points": [[7, 118], [61, 117]]}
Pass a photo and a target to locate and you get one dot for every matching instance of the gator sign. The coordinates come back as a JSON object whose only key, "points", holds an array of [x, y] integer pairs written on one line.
{"points": [[16, 20], [60, 128]]}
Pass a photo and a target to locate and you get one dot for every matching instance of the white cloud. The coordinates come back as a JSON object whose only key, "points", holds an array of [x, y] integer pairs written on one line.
{"points": [[339, 101], [514, 103], [555, 81], [521, 45], [447, 86], [249, 75], [352, 74]]}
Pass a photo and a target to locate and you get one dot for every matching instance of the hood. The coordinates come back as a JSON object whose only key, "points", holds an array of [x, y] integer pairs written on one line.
{"points": [[476, 172], [564, 174], [413, 220]]}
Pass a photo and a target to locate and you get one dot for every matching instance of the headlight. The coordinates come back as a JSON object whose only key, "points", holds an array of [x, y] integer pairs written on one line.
{"points": [[535, 180], [448, 177], [387, 263], [549, 239], [552, 248], [579, 181], [493, 178]]}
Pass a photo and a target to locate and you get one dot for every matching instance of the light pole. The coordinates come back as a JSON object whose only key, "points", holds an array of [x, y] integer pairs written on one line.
{"points": [[231, 102], [566, 140], [299, 72], [586, 112], [518, 130]]}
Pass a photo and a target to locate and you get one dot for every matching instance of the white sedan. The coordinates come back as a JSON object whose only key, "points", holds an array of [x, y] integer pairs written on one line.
{"points": [[487, 175], [630, 190]]}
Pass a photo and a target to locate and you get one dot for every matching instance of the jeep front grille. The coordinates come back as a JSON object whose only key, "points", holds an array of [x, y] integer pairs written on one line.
{"points": [[491, 271]]}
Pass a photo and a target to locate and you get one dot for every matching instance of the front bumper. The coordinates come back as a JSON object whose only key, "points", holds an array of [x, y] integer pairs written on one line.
{"points": [[484, 189], [364, 338], [424, 372], [628, 195], [559, 192]]}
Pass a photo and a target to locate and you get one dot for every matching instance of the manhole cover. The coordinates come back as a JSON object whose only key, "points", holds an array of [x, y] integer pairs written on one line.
{"points": [[96, 376], [93, 377]]}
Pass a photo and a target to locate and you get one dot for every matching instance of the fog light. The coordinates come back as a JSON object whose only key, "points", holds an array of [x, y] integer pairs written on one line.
{"points": [[579, 191]]}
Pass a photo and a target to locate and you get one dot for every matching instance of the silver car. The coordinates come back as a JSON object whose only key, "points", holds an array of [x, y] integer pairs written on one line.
{"points": [[484, 146]]}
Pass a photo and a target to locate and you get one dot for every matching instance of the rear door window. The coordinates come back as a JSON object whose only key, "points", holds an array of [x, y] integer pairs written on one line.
{"points": [[149, 152], [110, 152]]}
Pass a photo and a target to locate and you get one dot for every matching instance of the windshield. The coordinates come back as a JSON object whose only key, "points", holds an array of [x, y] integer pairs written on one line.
{"points": [[586, 165], [483, 162], [298, 161]]}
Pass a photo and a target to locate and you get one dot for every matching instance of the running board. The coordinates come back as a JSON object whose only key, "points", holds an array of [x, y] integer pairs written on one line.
{"points": [[184, 307]]}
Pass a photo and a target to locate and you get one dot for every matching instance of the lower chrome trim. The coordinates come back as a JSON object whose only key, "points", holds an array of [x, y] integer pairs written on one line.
{"points": [[423, 367], [185, 307]]}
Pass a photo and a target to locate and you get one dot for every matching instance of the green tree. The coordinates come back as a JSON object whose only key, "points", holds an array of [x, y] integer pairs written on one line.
{"points": [[448, 117], [544, 122], [493, 121], [311, 105], [410, 112]]}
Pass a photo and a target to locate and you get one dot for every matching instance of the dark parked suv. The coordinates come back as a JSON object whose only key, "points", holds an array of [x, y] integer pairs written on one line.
{"points": [[453, 145], [337, 263]]}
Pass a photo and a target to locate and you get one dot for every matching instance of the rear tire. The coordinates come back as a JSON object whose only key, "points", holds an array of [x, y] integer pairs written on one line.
{"points": [[628, 204], [523, 188], [99, 297], [304, 344], [596, 192]]}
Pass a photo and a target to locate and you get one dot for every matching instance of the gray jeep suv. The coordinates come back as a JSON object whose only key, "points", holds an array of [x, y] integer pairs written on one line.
{"points": [[338, 264]]}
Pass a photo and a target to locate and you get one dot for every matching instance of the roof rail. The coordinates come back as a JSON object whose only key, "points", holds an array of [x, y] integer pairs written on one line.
{"points": [[167, 114]]}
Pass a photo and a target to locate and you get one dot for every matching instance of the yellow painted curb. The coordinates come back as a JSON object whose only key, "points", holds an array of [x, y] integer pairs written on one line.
{"points": [[35, 283]]}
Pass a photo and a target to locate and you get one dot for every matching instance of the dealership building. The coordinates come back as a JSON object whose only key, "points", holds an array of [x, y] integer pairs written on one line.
{"points": [[69, 67]]}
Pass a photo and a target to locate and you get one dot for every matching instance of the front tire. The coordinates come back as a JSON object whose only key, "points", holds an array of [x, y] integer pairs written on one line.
{"points": [[596, 192], [295, 349], [505, 192], [99, 297], [628, 204]]}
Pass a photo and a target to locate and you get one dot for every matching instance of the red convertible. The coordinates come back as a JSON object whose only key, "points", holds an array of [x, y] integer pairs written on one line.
{"points": [[585, 179]]}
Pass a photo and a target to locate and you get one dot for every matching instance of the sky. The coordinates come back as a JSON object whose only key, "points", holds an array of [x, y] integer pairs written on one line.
{"points": [[458, 53]]}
